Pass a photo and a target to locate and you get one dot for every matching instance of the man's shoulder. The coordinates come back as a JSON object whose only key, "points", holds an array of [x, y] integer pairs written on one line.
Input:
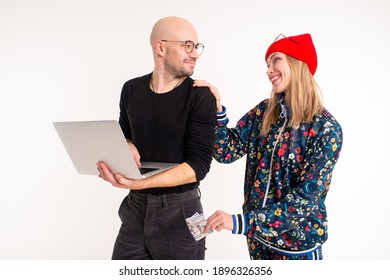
{"points": [[205, 92], [137, 80]]}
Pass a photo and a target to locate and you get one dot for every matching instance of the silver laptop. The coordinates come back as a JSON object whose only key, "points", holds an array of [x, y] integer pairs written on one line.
{"points": [[88, 142]]}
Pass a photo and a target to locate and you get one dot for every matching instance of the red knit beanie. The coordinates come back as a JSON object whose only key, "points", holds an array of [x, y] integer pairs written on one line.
{"points": [[300, 47]]}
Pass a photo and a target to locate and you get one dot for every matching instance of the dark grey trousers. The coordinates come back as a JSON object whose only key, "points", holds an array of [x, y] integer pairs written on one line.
{"points": [[154, 227]]}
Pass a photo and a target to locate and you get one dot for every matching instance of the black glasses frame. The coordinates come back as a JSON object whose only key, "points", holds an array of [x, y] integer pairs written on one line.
{"points": [[189, 45]]}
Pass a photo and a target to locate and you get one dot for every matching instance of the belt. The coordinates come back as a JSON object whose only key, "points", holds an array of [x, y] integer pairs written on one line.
{"points": [[170, 198]]}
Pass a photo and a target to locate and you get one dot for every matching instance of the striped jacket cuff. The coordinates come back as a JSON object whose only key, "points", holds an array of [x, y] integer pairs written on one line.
{"points": [[239, 224], [221, 116]]}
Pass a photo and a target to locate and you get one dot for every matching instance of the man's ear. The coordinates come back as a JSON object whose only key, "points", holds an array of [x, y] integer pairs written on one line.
{"points": [[159, 47]]}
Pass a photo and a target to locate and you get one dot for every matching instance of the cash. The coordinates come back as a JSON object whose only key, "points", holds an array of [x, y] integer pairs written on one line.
{"points": [[196, 224]]}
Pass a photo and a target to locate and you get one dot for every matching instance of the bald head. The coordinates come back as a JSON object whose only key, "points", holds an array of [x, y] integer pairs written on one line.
{"points": [[173, 28]]}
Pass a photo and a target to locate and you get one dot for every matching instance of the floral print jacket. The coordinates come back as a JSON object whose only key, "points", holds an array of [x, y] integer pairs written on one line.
{"points": [[286, 208]]}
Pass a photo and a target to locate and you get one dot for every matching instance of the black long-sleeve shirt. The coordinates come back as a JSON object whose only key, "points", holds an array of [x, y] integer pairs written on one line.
{"points": [[177, 126]]}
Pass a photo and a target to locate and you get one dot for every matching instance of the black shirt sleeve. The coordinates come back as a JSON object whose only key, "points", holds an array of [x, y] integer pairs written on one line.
{"points": [[123, 117], [200, 131]]}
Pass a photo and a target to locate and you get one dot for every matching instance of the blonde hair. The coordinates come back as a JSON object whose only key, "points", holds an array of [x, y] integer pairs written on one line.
{"points": [[303, 97]]}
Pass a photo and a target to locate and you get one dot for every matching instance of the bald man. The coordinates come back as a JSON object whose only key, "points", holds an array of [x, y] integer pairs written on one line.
{"points": [[165, 119]]}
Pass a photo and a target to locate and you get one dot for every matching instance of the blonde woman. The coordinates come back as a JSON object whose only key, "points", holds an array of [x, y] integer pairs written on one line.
{"points": [[292, 144]]}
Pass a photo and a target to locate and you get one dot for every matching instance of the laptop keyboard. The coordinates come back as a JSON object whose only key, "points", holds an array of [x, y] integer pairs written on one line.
{"points": [[144, 170]]}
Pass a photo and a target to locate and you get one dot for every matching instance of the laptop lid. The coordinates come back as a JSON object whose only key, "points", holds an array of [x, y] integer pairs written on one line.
{"points": [[88, 142]]}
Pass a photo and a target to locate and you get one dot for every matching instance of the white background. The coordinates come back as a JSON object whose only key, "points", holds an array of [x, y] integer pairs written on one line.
{"points": [[67, 60]]}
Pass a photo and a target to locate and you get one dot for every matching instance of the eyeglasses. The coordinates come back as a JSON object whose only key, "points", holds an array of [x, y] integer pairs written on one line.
{"points": [[189, 46]]}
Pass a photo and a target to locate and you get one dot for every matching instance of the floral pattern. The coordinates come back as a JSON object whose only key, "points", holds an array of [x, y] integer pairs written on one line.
{"points": [[288, 211]]}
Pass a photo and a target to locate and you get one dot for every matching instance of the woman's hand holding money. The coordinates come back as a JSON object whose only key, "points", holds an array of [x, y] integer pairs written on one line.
{"points": [[219, 221]]}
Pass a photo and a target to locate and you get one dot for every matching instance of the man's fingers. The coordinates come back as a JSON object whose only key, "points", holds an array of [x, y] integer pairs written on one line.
{"points": [[106, 175]]}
